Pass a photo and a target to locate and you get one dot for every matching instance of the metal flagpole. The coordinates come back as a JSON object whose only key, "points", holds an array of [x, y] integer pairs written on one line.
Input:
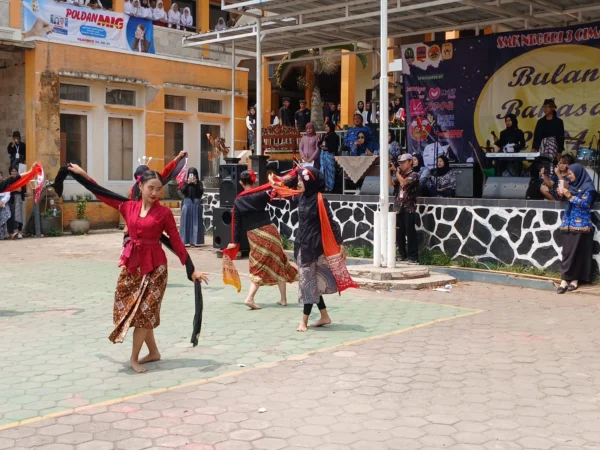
{"points": [[232, 142], [384, 200], [259, 105]]}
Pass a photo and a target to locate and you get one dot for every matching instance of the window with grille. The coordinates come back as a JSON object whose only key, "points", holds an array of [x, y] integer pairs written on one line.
{"points": [[210, 106], [74, 92], [120, 97], [175, 102]]}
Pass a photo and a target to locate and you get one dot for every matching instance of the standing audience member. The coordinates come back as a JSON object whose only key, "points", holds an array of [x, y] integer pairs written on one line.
{"points": [[191, 228], [405, 205], [4, 210], [274, 118], [128, 8], [548, 138], [336, 117], [221, 25], [371, 115], [443, 180], [394, 148], [577, 229], [549, 188], [302, 116], [15, 223], [146, 11], [329, 113], [187, 21], [174, 16], [251, 126], [138, 11], [309, 147], [360, 109], [159, 14], [286, 116], [16, 150], [329, 149]]}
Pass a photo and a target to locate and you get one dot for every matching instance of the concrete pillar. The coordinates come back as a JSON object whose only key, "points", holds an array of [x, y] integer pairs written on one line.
{"points": [[266, 95], [155, 127], [348, 92], [119, 6]]}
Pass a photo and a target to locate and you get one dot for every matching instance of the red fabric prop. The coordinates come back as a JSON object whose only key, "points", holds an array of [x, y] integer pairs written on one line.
{"points": [[37, 192], [36, 170], [230, 273], [181, 175], [331, 249]]}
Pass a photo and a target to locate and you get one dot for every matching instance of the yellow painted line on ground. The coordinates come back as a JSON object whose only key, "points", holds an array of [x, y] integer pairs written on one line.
{"points": [[235, 373]]}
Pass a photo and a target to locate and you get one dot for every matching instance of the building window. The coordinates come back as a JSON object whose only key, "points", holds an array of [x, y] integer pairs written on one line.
{"points": [[74, 92], [120, 149], [120, 97], [173, 139], [175, 102], [73, 140], [210, 106]]}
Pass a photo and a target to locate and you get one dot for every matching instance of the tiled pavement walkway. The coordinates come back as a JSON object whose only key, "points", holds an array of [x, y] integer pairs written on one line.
{"points": [[521, 374]]}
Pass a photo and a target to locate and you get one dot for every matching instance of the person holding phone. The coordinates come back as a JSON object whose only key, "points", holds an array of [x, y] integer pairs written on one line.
{"points": [[191, 227], [552, 182]]}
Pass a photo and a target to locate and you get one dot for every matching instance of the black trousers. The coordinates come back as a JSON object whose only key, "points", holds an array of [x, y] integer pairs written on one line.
{"points": [[406, 235], [320, 305]]}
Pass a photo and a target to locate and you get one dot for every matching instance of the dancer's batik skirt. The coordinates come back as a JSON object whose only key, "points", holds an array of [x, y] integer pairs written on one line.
{"points": [[137, 301], [268, 264], [316, 279]]}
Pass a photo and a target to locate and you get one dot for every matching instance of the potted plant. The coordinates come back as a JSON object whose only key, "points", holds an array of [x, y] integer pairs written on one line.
{"points": [[50, 219], [81, 224]]}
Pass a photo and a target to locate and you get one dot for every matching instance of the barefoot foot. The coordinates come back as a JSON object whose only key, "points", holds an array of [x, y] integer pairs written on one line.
{"points": [[150, 357], [282, 302], [137, 367], [302, 327], [321, 322], [251, 305]]}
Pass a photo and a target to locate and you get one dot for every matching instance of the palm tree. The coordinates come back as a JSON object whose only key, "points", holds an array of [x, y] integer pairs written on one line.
{"points": [[326, 62]]}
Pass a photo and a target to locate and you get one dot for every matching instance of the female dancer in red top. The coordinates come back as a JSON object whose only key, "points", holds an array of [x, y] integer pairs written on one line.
{"points": [[143, 279]]}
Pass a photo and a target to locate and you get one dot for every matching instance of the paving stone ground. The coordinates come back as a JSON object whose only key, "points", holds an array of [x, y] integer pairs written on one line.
{"points": [[484, 367]]}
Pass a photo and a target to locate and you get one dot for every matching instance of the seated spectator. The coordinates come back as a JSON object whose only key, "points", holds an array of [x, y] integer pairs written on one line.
{"points": [[129, 9], [356, 146], [423, 172], [442, 180], [187, 21], [221, 25], [159, 14], [174, 17], [549, 188]]}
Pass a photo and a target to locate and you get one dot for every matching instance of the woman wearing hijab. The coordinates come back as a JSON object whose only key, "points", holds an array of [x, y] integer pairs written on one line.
{"points": [[174, 16], [159, 14], [186, 19], [360, 109], [316, 277], [329, 149], [577, 229], [221, 25], [309, 147], [128, 8], [146, 10], [251, 126], [269, 265], [424, 173], [143, 280], [443, 180], [138, 11], [394, 148], [4, 214], [191, 227], [335, 117], [511, 136]]}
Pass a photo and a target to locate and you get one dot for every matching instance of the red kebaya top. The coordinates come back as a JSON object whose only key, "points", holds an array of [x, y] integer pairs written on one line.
{"points": [[143, 251]]}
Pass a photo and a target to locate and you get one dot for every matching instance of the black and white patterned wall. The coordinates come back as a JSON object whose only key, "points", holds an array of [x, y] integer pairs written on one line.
{"points": [[528, 237]]}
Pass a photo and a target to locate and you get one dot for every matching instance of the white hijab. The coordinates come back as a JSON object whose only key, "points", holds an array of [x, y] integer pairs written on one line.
{"points": [[189, 20], [159, 13], [138, 11], [129, 9], [174, 17]]}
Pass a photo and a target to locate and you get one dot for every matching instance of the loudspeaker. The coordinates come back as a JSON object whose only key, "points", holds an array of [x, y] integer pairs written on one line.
{"points": [[370, 186], [222, 218], [230, 186], [464, 179], [506, 187]]}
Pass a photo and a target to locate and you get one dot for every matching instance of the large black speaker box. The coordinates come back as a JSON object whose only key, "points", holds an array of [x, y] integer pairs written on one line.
{"points": [[230, 186], [370, 186], [222, 218], [506, 187]]}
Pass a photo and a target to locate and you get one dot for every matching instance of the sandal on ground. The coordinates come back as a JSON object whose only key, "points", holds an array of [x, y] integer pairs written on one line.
{"points": [[561, 290], [572, 287]]}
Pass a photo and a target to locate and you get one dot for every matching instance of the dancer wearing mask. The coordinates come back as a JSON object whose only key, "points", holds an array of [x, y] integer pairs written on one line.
{"points": [[143, 279], [316, 275], [269, 265], [192, 222]]}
